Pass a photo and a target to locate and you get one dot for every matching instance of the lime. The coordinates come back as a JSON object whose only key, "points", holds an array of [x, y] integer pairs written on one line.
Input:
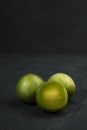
{"points": [[27, 85], [66, 80], [51, 96]]}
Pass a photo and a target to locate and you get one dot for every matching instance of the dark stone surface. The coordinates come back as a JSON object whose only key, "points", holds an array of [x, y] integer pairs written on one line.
{"points": [[79, 122], [16, 115]]}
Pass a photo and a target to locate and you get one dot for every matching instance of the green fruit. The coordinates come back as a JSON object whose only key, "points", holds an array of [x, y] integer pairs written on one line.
{"points": [[26, 87], [66, 80], [51, 96]]}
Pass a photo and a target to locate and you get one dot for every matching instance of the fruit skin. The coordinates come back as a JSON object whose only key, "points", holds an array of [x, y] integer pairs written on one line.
{"points": [[26, 87], [51, 96], [66, 80]]}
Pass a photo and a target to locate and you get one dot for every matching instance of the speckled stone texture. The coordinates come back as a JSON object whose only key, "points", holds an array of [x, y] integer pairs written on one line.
{"points": [[16, 115]]}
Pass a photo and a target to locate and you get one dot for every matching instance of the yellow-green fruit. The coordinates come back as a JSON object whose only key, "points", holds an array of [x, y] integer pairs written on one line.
{"points": [[26, 87], [51, 96], [66, 80]]}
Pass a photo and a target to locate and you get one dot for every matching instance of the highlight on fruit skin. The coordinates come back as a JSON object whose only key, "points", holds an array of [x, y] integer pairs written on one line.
{"points": [[66, 80], [26, 87], [51, 96]]}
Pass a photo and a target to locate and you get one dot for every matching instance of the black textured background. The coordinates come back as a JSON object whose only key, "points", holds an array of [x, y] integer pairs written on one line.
{"points": [[43, 26]]}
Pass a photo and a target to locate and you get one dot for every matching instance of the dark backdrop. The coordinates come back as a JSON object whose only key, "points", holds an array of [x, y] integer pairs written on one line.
{"points": [[43, 26]]}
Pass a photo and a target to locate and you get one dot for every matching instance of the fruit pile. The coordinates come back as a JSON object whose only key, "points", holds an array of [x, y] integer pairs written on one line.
{"points": [[51, 95]]}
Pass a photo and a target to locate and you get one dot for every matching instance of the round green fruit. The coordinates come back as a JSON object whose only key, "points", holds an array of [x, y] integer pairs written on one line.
{"points": [[27, 85], [51, 96], [66, 80]]}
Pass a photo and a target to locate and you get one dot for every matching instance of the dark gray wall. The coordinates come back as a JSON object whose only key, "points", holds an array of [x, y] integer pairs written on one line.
{"points": [[43, 26]]}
